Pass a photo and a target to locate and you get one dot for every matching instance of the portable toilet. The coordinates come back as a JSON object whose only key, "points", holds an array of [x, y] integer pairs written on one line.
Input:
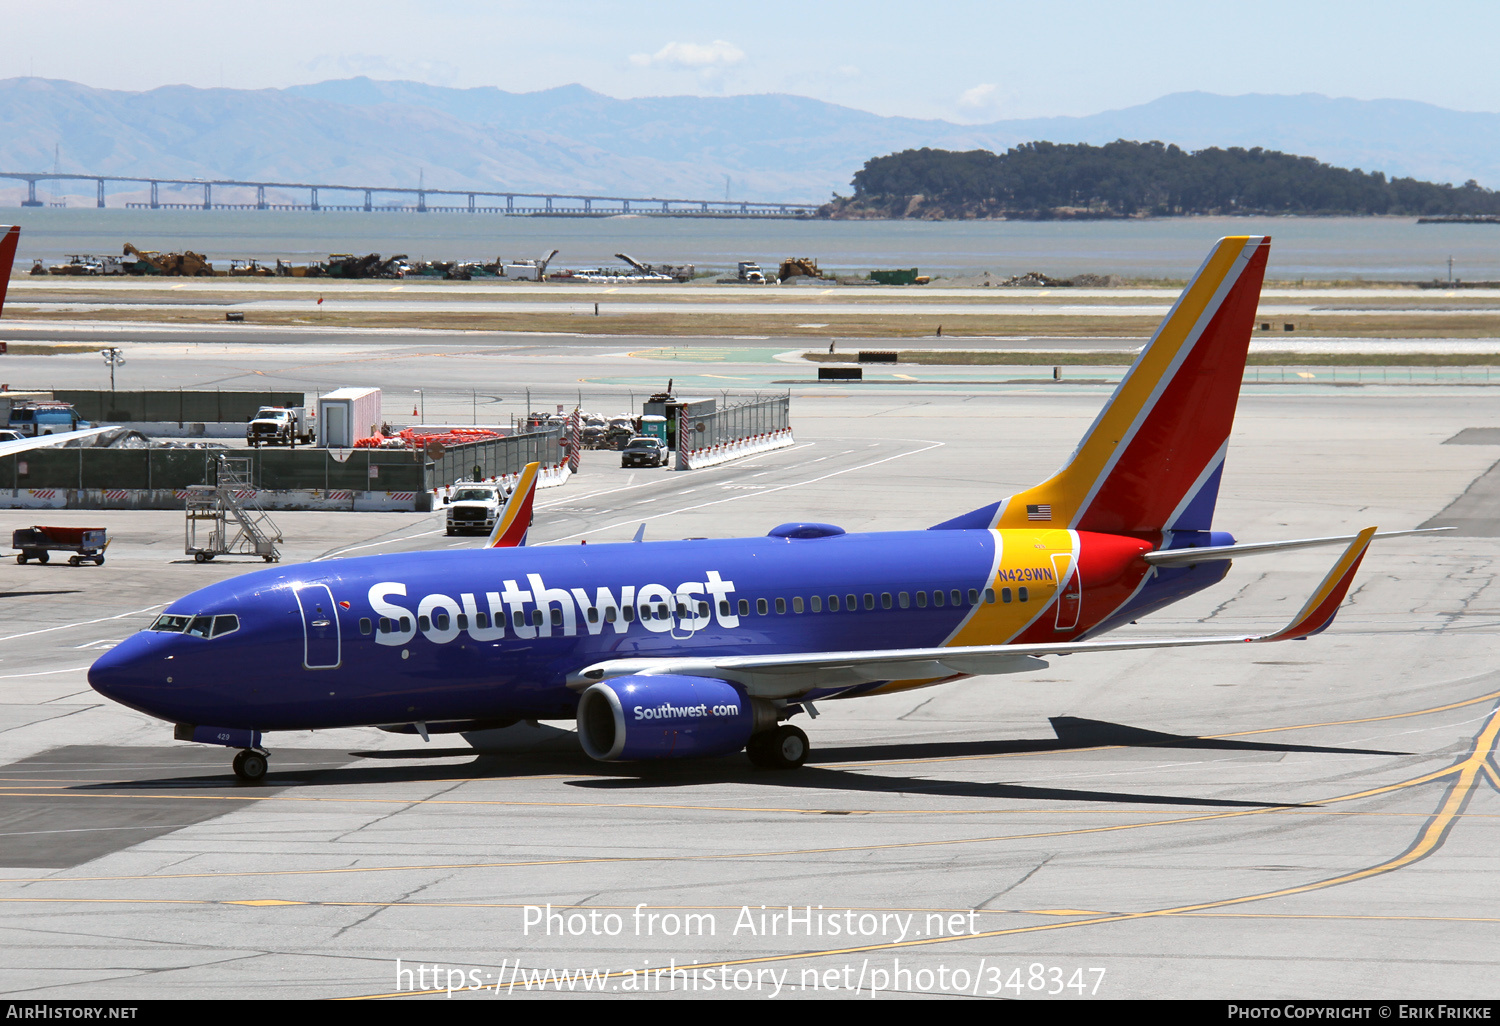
{"points": [[655, 426], [346, 415]]}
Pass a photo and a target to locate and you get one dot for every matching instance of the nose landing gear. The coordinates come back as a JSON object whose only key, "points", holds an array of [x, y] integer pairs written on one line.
{"points": [[250, 766]]}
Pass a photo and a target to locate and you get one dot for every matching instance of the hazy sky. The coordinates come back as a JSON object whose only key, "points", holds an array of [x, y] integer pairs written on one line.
{"points": [[964, 61]]}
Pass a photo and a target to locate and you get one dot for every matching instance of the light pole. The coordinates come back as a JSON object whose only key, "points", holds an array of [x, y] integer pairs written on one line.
{"points": [[114, 358]]}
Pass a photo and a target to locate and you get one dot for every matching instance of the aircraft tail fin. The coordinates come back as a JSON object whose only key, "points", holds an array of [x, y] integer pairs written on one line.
{"points": [[9, 236], [515, 520], [1151, 460]]}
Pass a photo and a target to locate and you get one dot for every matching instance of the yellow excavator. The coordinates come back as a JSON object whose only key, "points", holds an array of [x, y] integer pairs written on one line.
{"points": [[799, 267], [176, 265]]}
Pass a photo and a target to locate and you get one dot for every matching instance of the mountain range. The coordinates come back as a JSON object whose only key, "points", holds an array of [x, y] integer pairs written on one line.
{"points": [[570, 139]]}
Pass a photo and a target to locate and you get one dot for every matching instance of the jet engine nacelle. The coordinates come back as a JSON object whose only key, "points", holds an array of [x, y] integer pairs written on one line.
{"points": [[668, 717]]}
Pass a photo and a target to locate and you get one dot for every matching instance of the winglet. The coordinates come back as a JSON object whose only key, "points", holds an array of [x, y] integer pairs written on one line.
{"points": [[9, 236], [1323, 606], [510, 530]]}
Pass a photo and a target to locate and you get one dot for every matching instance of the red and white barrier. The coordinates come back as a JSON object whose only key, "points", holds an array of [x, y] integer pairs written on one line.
{"points": [[713, 455], [548, 477]]}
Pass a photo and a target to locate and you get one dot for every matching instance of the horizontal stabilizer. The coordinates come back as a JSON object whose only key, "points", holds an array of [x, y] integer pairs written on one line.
{"points": [[795, 673], [1210, 553]]}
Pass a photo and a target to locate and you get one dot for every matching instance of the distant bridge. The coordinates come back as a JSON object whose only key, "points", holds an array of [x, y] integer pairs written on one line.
{"points": [[510, 201]]}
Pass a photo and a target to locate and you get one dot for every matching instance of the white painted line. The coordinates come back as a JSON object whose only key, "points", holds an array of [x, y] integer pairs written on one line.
{"points": [[768, 491], [42, 673], [84, 623]]}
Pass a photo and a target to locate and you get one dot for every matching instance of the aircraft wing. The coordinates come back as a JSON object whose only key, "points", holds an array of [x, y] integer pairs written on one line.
{"points": [[790, 674], [26, 444]]}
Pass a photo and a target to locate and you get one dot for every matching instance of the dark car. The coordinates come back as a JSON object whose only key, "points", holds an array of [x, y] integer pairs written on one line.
{"points": [[645, 451]]}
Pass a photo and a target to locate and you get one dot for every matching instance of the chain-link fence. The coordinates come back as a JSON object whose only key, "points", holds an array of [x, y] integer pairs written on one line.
{"points": [[493, 457], [162, 469], [749, 416], [181, 406]]}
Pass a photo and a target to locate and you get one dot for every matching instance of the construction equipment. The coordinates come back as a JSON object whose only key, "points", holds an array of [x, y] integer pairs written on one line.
{"points": [[81, 264], [214, 510], [530, 270], [799, 267], [176, 265], [751, 273], [660, 272], [347, 265], [250, 269]]}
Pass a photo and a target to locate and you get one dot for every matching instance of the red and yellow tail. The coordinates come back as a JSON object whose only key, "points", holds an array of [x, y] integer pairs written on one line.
{"points": [[515, 520], [9, 236], [1151, 460]]}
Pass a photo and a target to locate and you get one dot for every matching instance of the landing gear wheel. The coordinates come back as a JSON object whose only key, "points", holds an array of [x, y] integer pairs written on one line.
{"points": [[785, 747], [250, 766]]}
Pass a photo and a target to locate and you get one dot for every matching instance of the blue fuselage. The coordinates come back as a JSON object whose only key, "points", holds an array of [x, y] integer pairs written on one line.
{"points": [[492, 634]]}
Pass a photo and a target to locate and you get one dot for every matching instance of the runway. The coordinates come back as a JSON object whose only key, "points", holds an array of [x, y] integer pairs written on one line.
{"points": [[1298, 820]]}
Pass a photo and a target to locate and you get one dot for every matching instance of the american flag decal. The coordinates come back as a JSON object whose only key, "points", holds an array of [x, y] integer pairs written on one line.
{"points": [[1040, 512]]}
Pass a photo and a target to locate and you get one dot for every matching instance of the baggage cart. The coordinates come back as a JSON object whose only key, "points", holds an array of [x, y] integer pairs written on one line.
{"points": [[86, 543]]}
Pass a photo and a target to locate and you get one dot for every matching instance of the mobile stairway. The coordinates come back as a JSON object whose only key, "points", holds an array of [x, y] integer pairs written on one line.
{"points": [[223, 519]]}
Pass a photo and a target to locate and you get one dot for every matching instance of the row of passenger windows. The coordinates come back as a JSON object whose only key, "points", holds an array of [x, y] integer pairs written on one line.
{"points": [[662, 611], [902, 600]]}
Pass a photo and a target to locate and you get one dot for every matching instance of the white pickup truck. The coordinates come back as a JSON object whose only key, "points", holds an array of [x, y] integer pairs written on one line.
{"points": [[279, 425], [474, 508]]}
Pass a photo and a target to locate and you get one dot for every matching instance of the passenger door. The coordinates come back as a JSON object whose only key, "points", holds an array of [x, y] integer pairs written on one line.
{"points": [[321, 649], [1069, 591]]}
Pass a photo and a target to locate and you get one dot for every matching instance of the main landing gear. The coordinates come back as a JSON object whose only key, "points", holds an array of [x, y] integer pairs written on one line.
{"points": [[783, 747], [250, 766]]}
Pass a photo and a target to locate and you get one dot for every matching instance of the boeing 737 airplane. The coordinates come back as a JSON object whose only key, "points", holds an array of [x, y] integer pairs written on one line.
{"points": [[680, 649]]}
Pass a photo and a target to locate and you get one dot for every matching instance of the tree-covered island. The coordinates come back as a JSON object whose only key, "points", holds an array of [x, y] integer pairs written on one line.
{"points": [[1042, 180]]}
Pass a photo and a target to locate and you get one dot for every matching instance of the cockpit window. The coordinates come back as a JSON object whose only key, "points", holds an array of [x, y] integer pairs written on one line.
{"points": [[196, 626]]}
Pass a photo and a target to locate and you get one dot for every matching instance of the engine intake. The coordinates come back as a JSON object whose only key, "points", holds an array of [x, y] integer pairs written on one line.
{"points": [[668, 717]]}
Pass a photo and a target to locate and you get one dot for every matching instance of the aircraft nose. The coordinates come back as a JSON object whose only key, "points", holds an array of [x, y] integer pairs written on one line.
{"points": [[135, 671]]}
